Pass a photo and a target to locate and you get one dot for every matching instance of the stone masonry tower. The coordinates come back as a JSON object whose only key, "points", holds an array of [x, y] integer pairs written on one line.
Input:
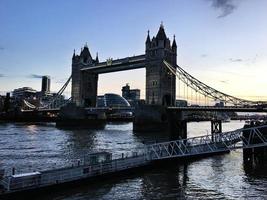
{"points": [[160, 83], [84, 84]]}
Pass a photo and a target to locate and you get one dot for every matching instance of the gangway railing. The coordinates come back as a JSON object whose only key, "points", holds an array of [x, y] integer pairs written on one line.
{"points": [[214, 143]]}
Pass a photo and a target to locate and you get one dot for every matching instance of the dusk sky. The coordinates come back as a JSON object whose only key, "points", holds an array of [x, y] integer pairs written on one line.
{"points": [[223, 43]]}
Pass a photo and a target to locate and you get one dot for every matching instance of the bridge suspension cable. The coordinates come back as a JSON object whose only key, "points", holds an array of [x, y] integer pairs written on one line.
{"points": [[206, 90]]}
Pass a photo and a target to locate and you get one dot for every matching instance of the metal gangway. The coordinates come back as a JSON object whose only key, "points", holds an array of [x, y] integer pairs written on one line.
{"points": [[209, 144]]}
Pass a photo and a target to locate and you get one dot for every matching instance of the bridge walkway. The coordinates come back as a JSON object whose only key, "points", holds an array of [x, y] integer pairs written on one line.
{"points": [[209, 144]]}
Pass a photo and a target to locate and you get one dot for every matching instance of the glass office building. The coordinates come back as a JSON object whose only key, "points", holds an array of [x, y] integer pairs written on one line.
{"points": [[112, 100]]}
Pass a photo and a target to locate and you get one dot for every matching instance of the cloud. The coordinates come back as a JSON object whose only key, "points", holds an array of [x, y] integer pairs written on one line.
{"points": [[2, 75], [226, 7], [2, 48], [255, 59], [34, 76], [224, 81], [62, 81], [204, 55], [235, 60]]}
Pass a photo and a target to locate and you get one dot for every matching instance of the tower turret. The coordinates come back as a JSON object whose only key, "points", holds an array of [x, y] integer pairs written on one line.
{"points": [[73, 56], [174, 45], [96, 59], [86, 55], [161, 35], [148, 41]]}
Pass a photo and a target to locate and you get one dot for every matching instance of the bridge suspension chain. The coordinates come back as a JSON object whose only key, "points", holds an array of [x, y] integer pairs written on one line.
{"points": [[206, 90]]}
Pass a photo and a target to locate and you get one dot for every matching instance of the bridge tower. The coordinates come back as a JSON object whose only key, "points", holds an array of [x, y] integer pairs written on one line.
{"points": [[84, 84], [160, 83]]}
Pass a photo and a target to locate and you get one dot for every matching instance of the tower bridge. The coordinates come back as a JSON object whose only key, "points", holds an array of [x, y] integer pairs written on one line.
{"points": [[160, 84], [160, 62], [162, 71]]}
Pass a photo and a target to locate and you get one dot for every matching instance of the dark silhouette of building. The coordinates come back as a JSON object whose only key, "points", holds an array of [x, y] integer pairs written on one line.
{"points": [[131, 95], [24, 93], [181, 103], [7, 102], [79, 62], [45, 84], [160, 83]]}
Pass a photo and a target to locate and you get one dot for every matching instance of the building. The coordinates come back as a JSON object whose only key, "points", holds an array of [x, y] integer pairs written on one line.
{"points": [[24, 93], [112, 100], [2, 103], [79, 62], [160, 83], [46, 84], [131, 95], [219, 104], [181, 103]]}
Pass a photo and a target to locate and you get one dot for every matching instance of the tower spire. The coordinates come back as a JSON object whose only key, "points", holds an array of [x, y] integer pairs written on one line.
{"points": [[161, 35], [161, 24], [148, 41], [73, 56], [148, 38], [174, 45], [96, 59]]}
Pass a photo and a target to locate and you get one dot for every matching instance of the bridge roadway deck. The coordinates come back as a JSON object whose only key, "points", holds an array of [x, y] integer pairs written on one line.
{"points": [[129, 63], [187, 108], [219, 109], [196, 146], [89, 110]]}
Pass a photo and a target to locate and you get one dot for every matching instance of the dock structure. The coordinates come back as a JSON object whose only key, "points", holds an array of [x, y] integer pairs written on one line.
{"points": [[101, 163]]}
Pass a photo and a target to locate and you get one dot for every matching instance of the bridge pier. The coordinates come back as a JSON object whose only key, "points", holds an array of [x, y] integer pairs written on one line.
{"points": [[255, 158], [150, 118], [216, 127], [177, 125]]}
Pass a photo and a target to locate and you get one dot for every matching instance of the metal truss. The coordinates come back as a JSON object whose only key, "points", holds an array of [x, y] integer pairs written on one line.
{"points": [[214, 143], [208, 91]]}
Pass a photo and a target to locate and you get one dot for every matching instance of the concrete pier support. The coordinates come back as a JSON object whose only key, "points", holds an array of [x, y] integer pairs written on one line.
{"points": [[216, 127], [155, 118], [255, 157], [177, 125], [150, 118]]}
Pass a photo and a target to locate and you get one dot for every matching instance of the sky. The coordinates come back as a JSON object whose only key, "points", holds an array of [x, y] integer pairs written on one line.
{"points": [[223, 43]]}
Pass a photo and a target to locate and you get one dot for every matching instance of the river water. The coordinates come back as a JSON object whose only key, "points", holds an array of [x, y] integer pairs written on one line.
{"points": [[29, 147]]}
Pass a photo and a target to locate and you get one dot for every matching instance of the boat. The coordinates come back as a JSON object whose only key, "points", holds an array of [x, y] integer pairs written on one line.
{"points": [[94, 165]]}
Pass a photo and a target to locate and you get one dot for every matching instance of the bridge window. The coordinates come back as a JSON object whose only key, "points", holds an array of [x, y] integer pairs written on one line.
{"points": [[154, 83]]}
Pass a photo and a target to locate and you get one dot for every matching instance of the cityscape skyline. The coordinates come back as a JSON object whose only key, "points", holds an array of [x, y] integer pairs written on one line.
{"points": [[230, 36]]}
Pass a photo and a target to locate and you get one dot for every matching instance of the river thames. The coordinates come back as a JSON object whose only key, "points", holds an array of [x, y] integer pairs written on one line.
{"points": [[29, 147]]}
